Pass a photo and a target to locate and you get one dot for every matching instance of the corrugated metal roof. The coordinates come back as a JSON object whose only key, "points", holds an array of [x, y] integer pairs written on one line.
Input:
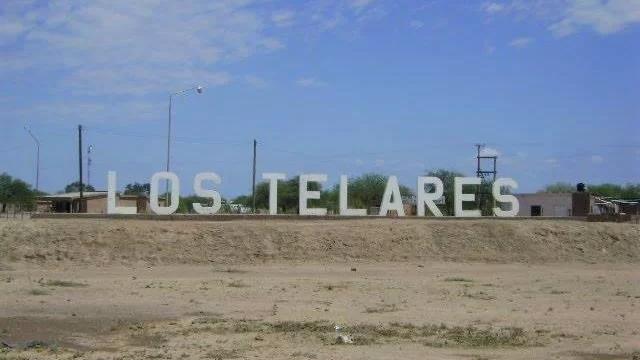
{"points": [[73, 195]]}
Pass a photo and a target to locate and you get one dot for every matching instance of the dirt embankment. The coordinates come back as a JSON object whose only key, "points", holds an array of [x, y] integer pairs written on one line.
{"points": [[104, 242]]}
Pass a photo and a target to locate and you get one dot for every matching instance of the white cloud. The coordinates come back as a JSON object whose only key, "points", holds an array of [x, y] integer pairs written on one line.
{"points": [[331, 15], [566, 17], [551, 161], [133, 47], [488, 151], [597, 159], [489, 49], [605, 17], [493, 7], [310, 82], [283, 18], [255, 81], [360, 4], [520, 42], [416, 24], [91, 112]]}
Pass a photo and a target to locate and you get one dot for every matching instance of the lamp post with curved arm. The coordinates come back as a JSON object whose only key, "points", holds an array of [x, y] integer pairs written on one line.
{"points": [[198, 89], [37, 156]]}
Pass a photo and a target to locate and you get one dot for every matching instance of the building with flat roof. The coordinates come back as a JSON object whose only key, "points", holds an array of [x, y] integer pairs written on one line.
{"points": [[92, 202]]}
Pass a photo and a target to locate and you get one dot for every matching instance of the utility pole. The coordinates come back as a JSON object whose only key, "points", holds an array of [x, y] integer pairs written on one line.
{"points": [[80, 166], [89, 150], [479, 171], [483, 174], [37, 157], [253, 185]]}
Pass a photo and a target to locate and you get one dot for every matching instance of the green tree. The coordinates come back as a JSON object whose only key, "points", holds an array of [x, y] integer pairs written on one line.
{"points": [[75, 187], [137, 189], [287, 196], [365, 191], [5, 190], [627, 191], [447, 177], [559, 187], [16, 192], [185, 206], [21, 195]]}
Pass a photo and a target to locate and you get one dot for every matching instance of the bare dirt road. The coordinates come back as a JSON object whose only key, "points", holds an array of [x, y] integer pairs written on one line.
{"points": [[170, 302]]}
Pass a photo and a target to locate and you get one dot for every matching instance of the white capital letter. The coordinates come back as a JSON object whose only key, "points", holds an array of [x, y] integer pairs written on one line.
{"points": [[305, 194], [392, 189], [459, 197], [515, 205], [175, 193], [112, 207], [197, 187], [273, 190], [344, 207], [427, 198]]}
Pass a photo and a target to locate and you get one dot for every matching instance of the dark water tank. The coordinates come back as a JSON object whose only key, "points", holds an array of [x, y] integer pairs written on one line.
{"points": [[580, 187]]}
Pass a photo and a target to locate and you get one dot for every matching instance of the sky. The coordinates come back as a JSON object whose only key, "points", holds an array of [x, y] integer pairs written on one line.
{"points": [[324, 86]]}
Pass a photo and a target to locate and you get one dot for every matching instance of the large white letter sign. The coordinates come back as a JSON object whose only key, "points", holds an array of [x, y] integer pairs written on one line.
{"points": [[460, 197], [175, 193], [427, 198], [197, 187], [306, 194], [392, 190], [515, 205], [344, 207], [273, 190], [112, 207]]}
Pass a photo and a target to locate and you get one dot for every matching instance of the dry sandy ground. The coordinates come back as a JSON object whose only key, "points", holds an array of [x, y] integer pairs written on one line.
{"points": [[129, 242], [286, 311], [171, 302]]}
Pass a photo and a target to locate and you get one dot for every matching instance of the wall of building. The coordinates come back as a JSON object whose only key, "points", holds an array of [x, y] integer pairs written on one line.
{"points": [[552, 204], [97, 205]]}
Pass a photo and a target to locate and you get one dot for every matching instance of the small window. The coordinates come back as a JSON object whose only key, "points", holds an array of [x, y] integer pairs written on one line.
{"points": [[536, 210]]}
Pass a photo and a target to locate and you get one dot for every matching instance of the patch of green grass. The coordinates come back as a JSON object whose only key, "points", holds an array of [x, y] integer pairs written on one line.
{"points": [[331, 287], [470, 336], [221, 354], [231, 271], [457, 279], [38, 292], [384, 308], [365, 334], [64, 283], [40, 344], [479, 295], [237, 284]]}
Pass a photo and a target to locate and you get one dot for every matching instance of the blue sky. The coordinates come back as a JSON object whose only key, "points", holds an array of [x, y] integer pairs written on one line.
{"points": [[336, 87]]}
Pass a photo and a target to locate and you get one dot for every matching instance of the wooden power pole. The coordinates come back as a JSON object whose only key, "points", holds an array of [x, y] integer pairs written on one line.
{"points": [[253, 184], [80, 167]]}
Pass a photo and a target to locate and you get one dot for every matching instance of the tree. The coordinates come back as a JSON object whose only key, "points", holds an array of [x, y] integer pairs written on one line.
{"points": [[185, 206], [287, 196], [365, 192], [16, 192], [137, 189], [5, 190], [627, 191], [447, 177], [559, 187], [75, 187], [22, 195]]}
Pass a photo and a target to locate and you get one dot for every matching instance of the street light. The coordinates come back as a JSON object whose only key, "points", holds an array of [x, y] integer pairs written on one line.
{"points": [[37, 157], [198, 89]]}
